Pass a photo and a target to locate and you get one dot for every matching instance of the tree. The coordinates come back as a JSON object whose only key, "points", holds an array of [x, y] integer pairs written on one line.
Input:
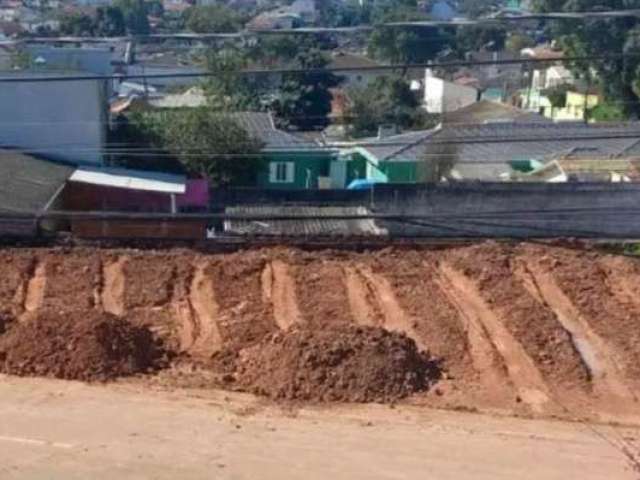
{"points": [[334, 13], [135, 16], [557, 95], [207, 143], [305, 98], [77, 25], [517, 41], [474, 38], [228, 89], [213, 19], [155, 8], [608, 38], [606, 112], [109, 22], [387, 100], [215, 146], [440, 157], [406, 44]]}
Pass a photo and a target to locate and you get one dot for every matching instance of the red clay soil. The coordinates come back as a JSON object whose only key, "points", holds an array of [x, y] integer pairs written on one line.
{"points": [[531, 323], [88, 346], [321, 290], [73, 282], [236, 278], [16, 267], [150, 280], [436, 321], [341, 363], [582, 277]]}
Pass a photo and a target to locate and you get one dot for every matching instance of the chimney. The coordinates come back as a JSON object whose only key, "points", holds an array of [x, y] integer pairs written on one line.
{"points": [[386, 130]]}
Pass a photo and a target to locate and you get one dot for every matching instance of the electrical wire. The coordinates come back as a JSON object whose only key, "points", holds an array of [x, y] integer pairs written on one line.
{"points": [[311, 71]]}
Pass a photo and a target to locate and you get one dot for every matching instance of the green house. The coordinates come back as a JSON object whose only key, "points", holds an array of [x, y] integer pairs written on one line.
{"points": [[293, 162]]}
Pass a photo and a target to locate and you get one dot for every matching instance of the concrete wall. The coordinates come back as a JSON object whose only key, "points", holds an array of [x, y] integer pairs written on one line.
{"points": [[513, 210], [493, 210], [63, 120]]}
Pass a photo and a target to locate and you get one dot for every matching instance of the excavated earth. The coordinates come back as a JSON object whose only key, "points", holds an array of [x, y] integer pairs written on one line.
{"points": [[522, 329], [93, 346], [345, 363]]}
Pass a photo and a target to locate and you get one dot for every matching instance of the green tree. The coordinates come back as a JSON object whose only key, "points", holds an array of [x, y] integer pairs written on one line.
{"points": [[517, 41], [109, 22], [155, 8], [607, 37], [228, 89], [336, 13], [387, 100], [406, 44], [207, 143], [305, 98], [77, 25], [557, 95], [135, 16], [215, 146], [213, 19], [474, 38], [607, 112]]}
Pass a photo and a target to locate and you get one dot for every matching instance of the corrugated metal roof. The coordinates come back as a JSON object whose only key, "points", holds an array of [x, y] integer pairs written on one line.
{"points": [[28, 183], [130, 179], [485, 151], [320, 225], [261, 126]]}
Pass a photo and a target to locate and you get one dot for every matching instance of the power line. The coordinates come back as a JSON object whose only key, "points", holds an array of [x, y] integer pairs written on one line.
{"points": [[312, 71], [553, 16]]}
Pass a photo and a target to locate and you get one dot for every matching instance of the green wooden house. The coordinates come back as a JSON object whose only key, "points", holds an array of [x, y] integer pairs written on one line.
{"points": [[292, 162]]}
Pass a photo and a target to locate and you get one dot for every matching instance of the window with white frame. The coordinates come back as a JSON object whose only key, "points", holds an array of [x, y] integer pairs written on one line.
{"points": [[281, 172]]}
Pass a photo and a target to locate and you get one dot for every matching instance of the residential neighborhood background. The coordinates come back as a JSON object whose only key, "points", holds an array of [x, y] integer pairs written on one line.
{"points": [[158, 106]]}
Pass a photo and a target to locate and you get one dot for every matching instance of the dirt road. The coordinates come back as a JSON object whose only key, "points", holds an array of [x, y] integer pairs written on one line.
{"points": [[52, 429]]}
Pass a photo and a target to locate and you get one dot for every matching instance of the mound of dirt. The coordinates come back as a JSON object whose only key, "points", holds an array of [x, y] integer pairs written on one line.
{"points": [[341, 363], [91, 346]]}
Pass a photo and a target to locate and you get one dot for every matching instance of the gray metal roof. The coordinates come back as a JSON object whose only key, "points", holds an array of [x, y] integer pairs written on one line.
{"points": [[484, 151], [28, 184], [260, 125], [320, 225]]}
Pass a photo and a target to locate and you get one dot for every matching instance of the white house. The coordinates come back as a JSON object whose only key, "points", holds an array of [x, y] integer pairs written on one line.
{"points": [[442, 96]]}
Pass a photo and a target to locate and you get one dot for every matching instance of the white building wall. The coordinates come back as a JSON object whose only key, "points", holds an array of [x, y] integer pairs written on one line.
{"points": [[441, 96], [63, 120]]}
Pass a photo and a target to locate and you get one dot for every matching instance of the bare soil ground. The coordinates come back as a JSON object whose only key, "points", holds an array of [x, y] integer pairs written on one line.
{"points": [[525, 330]]}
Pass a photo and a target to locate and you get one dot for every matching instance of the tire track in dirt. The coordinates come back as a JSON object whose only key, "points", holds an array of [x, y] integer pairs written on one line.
{"points": [[484, 356], [113, 286], [204, 311], [279, 291], [395, 318], [521, 369], [16, 272], [362, 298], [321, 291], [588, 285], [599, 358], [34, 288]]}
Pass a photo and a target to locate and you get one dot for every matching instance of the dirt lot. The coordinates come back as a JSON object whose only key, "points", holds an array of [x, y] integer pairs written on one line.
{"points": [[527, 330]]}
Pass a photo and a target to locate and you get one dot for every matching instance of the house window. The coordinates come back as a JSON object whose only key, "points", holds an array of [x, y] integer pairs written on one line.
{"points": [[281, 172]]}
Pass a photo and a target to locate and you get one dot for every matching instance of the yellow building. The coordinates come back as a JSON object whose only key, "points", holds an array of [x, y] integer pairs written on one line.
{"points": [[572, 111]]}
